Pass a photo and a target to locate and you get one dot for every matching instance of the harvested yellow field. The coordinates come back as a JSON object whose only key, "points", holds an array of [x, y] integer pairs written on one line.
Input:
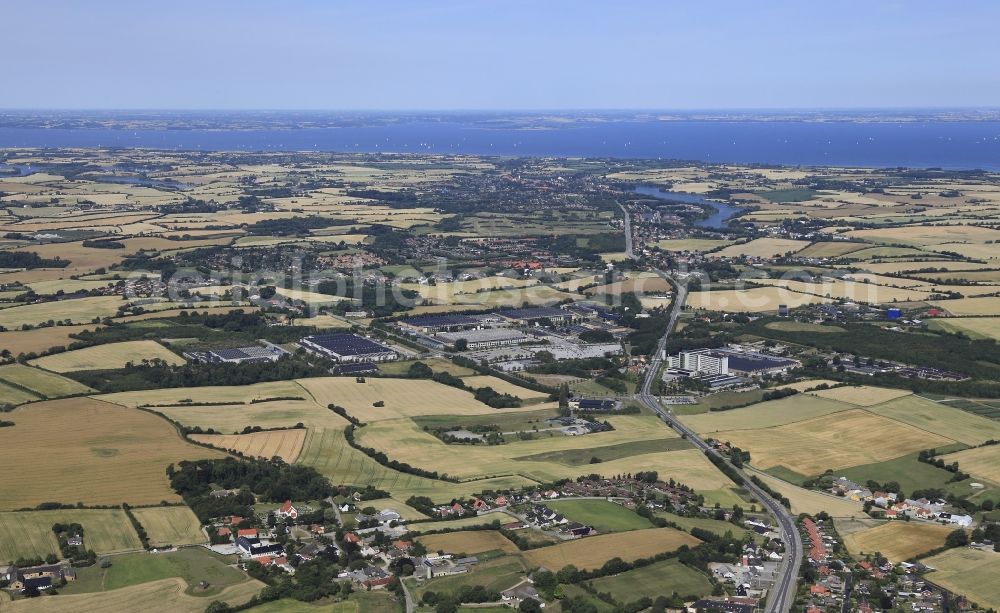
{"points": [[922, 236], [807, 384], [503, 387], [470, 542], [983, 462], [109, 455], [112, 355], [175, 525], [811, 501], [941, 419], [163, 595], [286, 444], [845, 439], [898, 540], [593, 551], [968, 571], [830, 249], [233, 418], [690, 244], [464, 522], [850, 290], [207, 394], [753, 300], [986, 305], [764, 414], [402, 397], [762, 248], [78, 311], [893, 267], [861, 395], [40, 339], [28, 534]]}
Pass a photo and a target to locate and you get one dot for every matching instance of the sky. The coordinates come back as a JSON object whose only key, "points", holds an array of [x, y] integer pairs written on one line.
{"points": [[509, 55]]}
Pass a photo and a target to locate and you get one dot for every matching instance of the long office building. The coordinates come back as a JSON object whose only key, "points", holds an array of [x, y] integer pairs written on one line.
{"points": [[704, 361]]}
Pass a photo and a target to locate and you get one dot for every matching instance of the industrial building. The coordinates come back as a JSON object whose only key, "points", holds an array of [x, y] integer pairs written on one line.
{"points": [[239, 355], [347, 348], [484, 339]]}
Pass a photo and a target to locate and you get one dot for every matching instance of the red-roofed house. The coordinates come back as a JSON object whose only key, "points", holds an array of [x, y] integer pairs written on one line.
{"points": [[286, 511], [248, 532], [235, 519], [224, 531], [350, 537], [402, 545], [819, 590], [500, 501]]}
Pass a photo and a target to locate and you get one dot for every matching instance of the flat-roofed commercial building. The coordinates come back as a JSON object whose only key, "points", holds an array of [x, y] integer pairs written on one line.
{"points": [[485, 338], [347, 348]]}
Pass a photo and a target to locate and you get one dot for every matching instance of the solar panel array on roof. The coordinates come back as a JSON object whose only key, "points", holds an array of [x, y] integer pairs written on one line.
{"points": [[347, 344], [528, 313], [440, 321]]}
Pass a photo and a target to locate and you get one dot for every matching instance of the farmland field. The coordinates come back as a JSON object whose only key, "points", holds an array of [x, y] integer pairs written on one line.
{"points": [[78, 311], [45, 384], [989, 305], [593, 551], [40, 339], [469, 542], [175, 525], [29, 533], [767, 414], [970, 572], [753, 300], [898, 540], [497, 574], [979, 462], [910, 473], [402, 397], [163, 595], [111, 455], [463, 522], [503, 387], [603, 515], [762, 248], [811, 501], [190, 564], [974, 327], [285, 444], [660, 578], [113, 355], [13, 395], [848, 438], [861, 395], [690, 244], [941, 419]]}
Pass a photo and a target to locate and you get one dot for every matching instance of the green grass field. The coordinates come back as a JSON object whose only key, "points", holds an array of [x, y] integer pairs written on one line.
{"points": [[192, 564], [45, 384], [578, 457], [654, 580], [29, 533], [602, 515], [497, 574], [908, 472], [712, 525]]}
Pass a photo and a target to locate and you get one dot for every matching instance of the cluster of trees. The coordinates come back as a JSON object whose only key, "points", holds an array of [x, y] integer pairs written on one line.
{"points": [[158, 374], [293, 226], [449, 603], [272, 480], [78, 555], [486, 395], [380, 298], [29, 259], [103, 244], [929, 456]]}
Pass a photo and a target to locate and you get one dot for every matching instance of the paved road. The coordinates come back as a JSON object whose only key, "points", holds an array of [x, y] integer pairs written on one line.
{"points": [[782, 594]]}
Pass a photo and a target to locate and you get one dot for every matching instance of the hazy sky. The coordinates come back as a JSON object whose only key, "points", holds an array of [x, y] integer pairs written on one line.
{"points": [[539, 54]]}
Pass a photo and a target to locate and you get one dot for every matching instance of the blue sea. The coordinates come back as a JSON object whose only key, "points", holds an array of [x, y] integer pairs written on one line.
{"points": [[921, 144]]}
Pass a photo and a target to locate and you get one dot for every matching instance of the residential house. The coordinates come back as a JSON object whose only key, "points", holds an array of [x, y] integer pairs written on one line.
{"points": [[286, 511]]}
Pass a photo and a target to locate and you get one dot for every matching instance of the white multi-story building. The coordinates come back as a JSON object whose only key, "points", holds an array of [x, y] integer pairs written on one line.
{"points": [[703, 361]]}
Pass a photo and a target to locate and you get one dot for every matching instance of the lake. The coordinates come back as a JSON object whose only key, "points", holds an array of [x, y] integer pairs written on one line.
{"points": [[716, 221], [944, 144]]}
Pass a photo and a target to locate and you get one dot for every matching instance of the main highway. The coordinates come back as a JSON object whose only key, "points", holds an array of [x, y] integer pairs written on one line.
{"points": [[782, 594]]}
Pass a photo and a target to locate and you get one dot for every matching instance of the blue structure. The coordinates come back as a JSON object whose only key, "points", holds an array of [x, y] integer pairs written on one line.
{"points": [[893, 314]]}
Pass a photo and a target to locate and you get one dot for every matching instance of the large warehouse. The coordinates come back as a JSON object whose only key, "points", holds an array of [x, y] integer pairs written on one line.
{"points": [[347, 348]]}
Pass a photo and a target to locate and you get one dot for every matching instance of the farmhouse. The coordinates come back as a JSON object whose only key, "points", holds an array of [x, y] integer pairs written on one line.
{"points": [[253, 547], [37, 577], [347, 348]]}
